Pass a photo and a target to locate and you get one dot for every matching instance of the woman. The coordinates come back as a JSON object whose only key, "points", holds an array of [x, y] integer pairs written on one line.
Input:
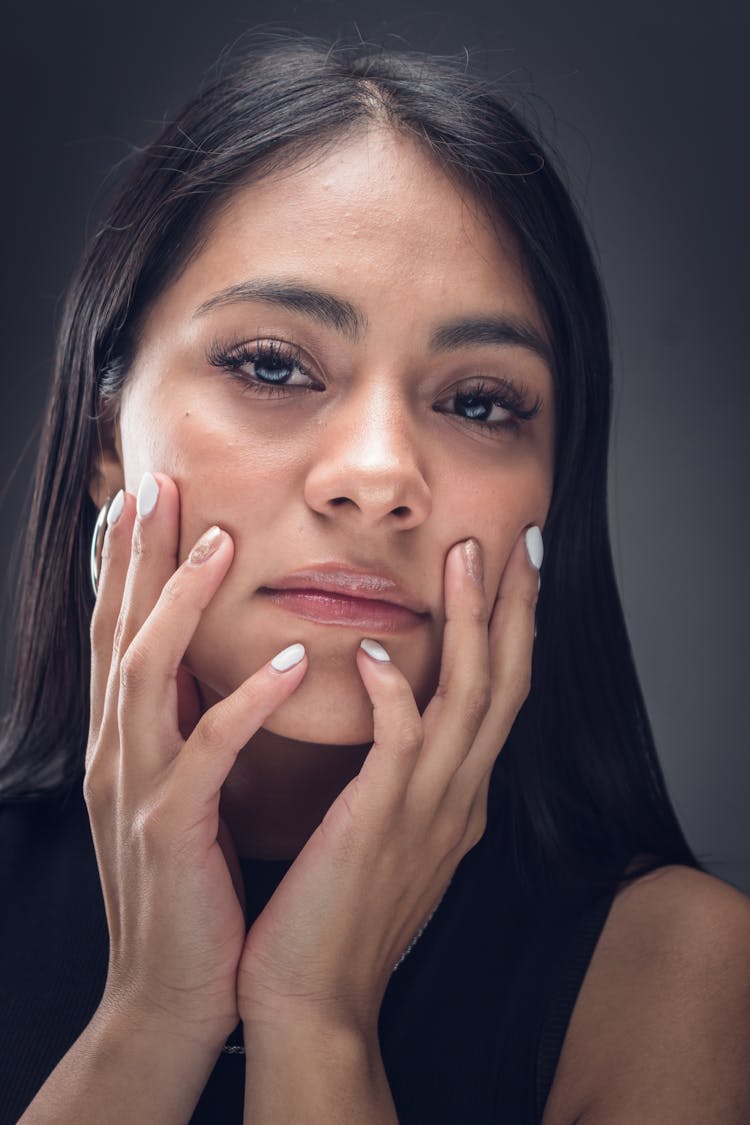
{"points": [[334, 374]]}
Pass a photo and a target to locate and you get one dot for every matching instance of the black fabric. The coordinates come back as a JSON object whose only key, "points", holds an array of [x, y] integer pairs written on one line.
{"points": [[471, 1025]]}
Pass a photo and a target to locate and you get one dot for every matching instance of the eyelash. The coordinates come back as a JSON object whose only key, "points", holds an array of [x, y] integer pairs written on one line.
{"points": [[231, 358]]}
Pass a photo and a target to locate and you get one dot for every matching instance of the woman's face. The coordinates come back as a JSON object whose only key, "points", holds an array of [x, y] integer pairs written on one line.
{"points": [[370, 291]]}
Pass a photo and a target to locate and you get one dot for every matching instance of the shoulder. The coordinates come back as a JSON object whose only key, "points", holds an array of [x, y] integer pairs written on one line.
{"points": [[661, 1028], [676, 914]]}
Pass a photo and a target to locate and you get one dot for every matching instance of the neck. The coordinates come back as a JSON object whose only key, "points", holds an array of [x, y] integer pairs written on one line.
{"points": [[279, 790]]}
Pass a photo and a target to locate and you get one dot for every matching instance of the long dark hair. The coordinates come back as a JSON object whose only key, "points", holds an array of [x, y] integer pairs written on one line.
{"points": [[578, 782]]}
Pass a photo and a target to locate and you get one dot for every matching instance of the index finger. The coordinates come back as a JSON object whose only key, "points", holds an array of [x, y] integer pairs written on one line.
{"points": [[112, 571], [455, 713], [511, 647]]}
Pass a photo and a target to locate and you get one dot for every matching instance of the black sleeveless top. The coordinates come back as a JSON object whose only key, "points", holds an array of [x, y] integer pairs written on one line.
{"points": [[471, 1025]]}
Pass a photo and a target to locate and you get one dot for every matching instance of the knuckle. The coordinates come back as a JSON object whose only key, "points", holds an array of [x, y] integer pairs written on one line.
{"points": [[450, 834], [408, 733], [97, 785], [477, 702], [441, 691], [476, 827], [107, 552], [211, 731], [150, 828], [118, 635], [133, 670], [91, 790], [530, 599], [175, 590], [140, 551], [479, 613]]}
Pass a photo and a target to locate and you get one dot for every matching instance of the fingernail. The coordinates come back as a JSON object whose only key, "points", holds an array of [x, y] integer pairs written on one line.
{"points": [[115, 508], [473, 560], [148, 494], [534, 546], [288, 657], [206, 546], [373, 649]]}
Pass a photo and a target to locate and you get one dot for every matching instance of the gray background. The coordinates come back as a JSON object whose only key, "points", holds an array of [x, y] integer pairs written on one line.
{"points": [[649, 109]]}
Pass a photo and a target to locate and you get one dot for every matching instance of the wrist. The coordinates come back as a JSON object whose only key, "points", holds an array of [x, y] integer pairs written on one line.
{"points": [[302, 1030], [128, 1022], [316, 1070], [123, 1069]]}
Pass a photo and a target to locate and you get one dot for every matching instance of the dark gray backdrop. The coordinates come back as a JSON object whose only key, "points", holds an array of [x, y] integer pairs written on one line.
{"points": [[649, 109]]}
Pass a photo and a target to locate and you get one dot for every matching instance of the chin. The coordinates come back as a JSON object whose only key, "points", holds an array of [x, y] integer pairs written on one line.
{"points": [[330, 706], [330, 722]]}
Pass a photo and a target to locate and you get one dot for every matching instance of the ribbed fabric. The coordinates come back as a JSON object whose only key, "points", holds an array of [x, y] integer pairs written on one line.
{"points": [[471, 1025]]}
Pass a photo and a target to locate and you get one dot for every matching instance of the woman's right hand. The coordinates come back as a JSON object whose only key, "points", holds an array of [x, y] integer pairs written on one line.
{"points": [[176, 925]]}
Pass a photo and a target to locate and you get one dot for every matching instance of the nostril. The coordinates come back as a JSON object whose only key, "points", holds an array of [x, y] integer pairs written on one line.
{"points": [[401, 511]]}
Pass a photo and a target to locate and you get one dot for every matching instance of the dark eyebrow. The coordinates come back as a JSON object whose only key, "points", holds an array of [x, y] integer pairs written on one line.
{"points": [[329, 310], [504, 330], [344, 317]]}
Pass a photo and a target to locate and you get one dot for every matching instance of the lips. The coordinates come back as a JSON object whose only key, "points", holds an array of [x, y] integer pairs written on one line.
{"points": [[338, 595]]}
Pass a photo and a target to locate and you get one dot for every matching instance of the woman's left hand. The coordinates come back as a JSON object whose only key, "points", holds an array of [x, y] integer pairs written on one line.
{"points": [[324, 947]]}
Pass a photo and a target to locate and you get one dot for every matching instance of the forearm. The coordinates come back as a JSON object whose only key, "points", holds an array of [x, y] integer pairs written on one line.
{"points": [[315, 1076], [120, 1072]]}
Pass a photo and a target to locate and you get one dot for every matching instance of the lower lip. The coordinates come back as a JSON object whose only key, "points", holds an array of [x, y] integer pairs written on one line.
{"points": [[339, 609]]}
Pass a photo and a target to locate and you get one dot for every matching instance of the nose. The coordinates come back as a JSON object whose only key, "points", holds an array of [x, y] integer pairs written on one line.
{"points": [[366, 467]]}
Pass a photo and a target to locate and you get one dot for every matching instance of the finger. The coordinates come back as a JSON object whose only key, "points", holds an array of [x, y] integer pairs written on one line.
{"points": [[203, 764], [511, 638], [152, 559], [112, 573], [398, 730], [457, 710], [153, 553], [149, 669]]}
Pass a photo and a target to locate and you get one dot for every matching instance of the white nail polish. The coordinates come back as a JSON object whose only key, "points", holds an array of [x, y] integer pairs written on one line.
{"points": [[288, 657], [148, 494], [115, 508], [534, 546], [373, 649]]}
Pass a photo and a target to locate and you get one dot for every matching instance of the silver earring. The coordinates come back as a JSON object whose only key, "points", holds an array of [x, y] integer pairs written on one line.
{"points": [[97, 541]]}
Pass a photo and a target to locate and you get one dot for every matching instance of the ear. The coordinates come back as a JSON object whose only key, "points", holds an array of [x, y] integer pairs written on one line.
{"points": [[107, 474]]}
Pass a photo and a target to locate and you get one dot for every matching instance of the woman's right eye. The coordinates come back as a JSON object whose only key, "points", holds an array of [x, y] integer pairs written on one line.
{"points": [[275, 366]]}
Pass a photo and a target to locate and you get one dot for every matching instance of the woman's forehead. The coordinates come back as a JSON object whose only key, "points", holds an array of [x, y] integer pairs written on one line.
{"points": [[376, 216]]}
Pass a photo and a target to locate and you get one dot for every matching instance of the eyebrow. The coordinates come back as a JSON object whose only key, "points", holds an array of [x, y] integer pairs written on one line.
{"points": [[508, 331], [346, 318], [324, 307]]}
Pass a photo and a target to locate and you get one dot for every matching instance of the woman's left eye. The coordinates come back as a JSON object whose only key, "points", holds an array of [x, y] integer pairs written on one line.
{"points": [[494, 407]]}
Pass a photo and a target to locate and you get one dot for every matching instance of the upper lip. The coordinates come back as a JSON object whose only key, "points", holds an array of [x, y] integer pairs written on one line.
{"points": [[339, 578]]}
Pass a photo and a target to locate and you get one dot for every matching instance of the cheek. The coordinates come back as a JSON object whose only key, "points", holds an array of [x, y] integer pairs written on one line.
{"points": [[239, 480], [495, 509]]}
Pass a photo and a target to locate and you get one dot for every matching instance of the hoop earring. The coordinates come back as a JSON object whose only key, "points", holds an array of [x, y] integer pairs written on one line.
{"points": [[97, 542]]}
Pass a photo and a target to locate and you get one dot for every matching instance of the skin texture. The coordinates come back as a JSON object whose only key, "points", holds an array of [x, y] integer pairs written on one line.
{"points": [[362, 471]]}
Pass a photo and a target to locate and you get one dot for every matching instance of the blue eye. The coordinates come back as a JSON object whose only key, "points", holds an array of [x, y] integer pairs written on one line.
{"points": [[477, 403], [274, 366]]}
